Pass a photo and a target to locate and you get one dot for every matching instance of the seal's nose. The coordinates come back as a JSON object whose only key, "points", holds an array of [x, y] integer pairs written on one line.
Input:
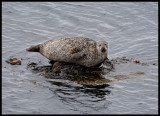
{"points": [[103, 49]]}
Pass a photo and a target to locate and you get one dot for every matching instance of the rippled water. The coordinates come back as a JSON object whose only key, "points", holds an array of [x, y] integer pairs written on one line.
{"points": [[131, 29]]}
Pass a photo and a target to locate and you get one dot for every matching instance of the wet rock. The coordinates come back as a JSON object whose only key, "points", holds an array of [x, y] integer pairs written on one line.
{"points": [[92, 76]]}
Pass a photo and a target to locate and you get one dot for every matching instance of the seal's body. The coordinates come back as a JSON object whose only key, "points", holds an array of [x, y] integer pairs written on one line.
{"points": [[78, 50]]}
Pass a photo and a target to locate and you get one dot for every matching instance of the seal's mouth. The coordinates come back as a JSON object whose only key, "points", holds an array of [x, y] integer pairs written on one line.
{"points": [[103, 49]]}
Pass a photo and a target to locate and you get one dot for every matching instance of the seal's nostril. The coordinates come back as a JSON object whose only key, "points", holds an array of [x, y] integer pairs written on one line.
{"points": [[103, 49]]}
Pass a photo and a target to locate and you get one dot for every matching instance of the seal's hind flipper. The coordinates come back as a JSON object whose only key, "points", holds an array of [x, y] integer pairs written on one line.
{"points": [[34, 48]]}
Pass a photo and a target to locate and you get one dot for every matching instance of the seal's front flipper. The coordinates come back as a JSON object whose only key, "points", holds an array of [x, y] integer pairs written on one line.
{"points": [[77, 56]]}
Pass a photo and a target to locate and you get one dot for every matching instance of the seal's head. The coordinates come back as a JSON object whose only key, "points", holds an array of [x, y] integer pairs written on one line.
{"points": [[102, 47]]}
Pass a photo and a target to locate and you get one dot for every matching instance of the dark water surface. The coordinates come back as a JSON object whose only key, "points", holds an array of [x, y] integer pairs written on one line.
{"points": [[131, 29]]}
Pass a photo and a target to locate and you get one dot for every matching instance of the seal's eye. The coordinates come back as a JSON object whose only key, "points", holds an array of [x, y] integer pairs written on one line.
{"points": [[105, 44], [99, 45]]}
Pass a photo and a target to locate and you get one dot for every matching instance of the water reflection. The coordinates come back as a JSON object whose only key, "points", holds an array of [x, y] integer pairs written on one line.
{"points": [[70, 88], [81, 98]]}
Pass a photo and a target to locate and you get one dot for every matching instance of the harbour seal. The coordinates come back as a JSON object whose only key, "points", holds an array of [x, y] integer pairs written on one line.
{"points": [[77, 50]]}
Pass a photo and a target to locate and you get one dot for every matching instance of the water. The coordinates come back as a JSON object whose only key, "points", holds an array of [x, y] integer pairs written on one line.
{"points": [[130, 28]]}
